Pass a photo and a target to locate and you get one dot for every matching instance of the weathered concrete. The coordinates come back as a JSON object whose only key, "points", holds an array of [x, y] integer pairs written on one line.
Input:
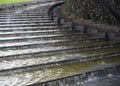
{"points": [[80, 78]]}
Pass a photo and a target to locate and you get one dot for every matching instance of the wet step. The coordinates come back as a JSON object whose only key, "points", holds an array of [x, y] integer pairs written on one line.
{"points": [[29, 24], [100, 51], [19, 14], [44, 51], [41, 48], [43, 12], [24, 22], [25, 19], [44, 74], [26, 25], [55, 60], [33, 48], [32, 33], [36, 28], [102, 75], [23, 15], [36, 38], [103, 81], [61, 58], [77, 42]]}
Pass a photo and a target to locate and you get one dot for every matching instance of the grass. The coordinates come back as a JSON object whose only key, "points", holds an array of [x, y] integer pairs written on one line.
{"points": [[12, 1]]}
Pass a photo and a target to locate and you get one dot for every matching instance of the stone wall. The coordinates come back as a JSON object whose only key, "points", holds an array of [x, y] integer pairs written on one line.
{"points": [[100, 11]]}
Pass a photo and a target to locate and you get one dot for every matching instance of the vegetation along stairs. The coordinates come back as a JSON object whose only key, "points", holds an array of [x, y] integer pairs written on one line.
{"points": [[36, 50]]}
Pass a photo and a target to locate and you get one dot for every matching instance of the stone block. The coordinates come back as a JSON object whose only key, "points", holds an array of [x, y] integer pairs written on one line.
{"points": [[81, 28]]}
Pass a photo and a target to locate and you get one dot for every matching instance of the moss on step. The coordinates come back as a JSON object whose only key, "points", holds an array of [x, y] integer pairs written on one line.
{"points": [[69, 69], [100, 51]]}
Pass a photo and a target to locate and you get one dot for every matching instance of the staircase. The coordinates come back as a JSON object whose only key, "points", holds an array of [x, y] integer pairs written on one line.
{"points": [[34, 48]]}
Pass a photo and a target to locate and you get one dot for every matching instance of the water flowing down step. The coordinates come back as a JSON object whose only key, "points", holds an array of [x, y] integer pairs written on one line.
{"points": [[36, 50]]}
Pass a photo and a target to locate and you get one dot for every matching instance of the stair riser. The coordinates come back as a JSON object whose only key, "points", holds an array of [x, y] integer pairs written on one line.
{"points": [[26, 25], [36, 34], [55, 44], [54, 52], [18, 19], [49, 28], [40, 38], [57, 63], [83, 77], [25, 22]]}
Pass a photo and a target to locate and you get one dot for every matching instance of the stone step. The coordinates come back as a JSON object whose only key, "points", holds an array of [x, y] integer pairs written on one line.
{"points": [[22, 14], [41, 28], [106, 74], [64, 43], [24, 19], [24, 22], [13, 15], [46, 51], [57, 63], [44, 59], [27, 44], [26, 25], [21, 17], [47, 59], [33, 33], [36, 38], [34, 78], [33, 47], [43, 12]]}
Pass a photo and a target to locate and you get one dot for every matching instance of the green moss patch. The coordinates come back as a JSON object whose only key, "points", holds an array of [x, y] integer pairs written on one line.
{"points": [[12, 1]]}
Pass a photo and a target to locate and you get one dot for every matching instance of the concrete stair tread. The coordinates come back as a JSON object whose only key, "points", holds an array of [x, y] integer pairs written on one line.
{"points": [[36, 38], [20, 37], [29, 28], [47, 73], [24, 22], [59, 43], [26, 25], [33, 33], [40, 36], [43, 66], [34, 48], [85, 42], [41, 60], [31, 53], [17, 17], [27, 32]]}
